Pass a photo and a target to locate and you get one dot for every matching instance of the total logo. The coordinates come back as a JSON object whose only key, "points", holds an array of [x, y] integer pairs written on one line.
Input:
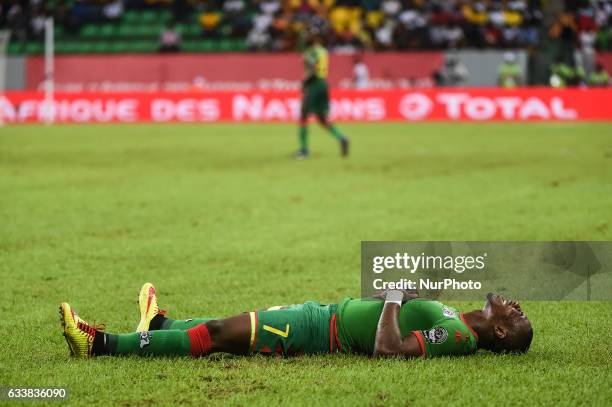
{"points": [[460, 105]]}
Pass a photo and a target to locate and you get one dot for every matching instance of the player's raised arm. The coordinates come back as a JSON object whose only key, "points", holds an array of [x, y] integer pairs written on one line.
{"points": [[389, 340]]}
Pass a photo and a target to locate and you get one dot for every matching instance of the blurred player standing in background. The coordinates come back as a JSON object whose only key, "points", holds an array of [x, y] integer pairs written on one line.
{"points": [[361, 74], [315, 96], [509, 72]]}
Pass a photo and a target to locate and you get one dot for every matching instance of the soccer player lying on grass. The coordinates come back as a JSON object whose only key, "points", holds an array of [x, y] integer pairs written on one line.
{"points": [[401, 325]]}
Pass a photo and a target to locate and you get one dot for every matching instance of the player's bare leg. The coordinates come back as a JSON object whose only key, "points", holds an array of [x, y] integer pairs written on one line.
{"points": [[226, 333], [231, 335]]}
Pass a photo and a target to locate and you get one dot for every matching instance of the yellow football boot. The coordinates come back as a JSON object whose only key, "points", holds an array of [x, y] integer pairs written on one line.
{"points": [[78, 333], [148, 306]]}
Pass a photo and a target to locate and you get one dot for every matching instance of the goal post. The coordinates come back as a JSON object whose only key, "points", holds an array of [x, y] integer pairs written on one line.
{"points": [[49, 85], [5, 37]]}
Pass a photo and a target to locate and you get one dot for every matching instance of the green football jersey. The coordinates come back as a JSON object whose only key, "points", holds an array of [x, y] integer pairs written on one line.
{"points": [[316, 62], [440, 329]]}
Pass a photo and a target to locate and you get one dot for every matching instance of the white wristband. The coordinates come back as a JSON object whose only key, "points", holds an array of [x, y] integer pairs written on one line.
{"points": [[394, 296]]}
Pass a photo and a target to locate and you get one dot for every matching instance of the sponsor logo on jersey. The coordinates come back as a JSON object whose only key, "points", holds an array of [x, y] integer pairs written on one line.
{"points": [[437, 335], [449, 312], [145, 339]]}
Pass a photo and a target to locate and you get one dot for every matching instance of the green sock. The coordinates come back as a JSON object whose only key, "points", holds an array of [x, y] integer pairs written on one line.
{"points": [[335, 132], [185, 324], [304, 138], [154, 343]]}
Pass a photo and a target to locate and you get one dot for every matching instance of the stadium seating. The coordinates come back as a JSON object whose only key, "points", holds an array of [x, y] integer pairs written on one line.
{"points": [[137, 31], [238, 25]]}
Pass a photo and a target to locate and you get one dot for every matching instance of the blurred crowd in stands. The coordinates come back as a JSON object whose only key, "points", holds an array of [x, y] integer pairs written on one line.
{"points": [[346, 24], [583, 27], [400, 24], [579, 29]]}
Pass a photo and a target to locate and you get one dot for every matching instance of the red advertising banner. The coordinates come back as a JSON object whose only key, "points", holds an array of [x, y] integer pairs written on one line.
{"points": [[605, 58], [235, 72], [537, 104]]}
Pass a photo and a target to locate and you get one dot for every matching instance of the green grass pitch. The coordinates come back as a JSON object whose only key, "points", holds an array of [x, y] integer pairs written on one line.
{"points": [[222, 221]]}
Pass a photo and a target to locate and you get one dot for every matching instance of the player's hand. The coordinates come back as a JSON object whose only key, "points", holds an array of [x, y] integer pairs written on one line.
{"points": [[407, 295]]}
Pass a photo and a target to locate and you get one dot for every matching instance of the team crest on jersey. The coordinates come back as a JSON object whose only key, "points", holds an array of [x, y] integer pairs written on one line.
{"points": [[145, 339], [448, 312], [437, 335]]}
